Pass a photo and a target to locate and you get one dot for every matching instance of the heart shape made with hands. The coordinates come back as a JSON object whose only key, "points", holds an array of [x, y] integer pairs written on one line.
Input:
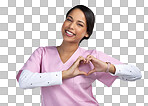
{"points": [[99, 66]]}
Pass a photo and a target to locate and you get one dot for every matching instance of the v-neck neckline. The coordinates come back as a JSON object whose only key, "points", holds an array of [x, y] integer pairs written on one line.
{"points": [[69, 57]]}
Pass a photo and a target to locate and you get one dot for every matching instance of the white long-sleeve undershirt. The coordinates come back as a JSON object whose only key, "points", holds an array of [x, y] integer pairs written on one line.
{"points": [[30, 80], [127, 72]]}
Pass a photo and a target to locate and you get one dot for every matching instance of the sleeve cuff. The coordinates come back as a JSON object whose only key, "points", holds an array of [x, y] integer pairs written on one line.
{"points": [[56, 78], [118, 69], [127, 72]]}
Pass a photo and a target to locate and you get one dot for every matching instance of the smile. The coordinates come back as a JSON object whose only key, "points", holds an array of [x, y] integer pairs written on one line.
{"points": [[70, 34]]}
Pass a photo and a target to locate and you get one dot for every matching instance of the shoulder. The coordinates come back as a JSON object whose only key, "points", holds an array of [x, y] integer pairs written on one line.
{"points": [[88, 51], [93, 52], [43, 49]]}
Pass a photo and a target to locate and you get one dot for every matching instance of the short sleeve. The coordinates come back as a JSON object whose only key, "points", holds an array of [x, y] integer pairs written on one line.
{"points": [[33, 63], [106, 78]]}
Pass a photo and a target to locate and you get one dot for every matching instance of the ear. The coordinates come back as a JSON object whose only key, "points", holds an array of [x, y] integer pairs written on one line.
{"points": [[86, 35]]}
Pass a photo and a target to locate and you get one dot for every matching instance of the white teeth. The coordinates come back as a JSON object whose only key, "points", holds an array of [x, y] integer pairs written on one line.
{"points": [[69, 33]]}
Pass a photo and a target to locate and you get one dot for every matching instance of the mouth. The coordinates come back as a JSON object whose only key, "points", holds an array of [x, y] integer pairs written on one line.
{"points": [[69, 33]]}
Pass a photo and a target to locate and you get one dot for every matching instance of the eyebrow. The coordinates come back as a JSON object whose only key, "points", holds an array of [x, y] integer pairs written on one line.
{"points": [[78, 20]]}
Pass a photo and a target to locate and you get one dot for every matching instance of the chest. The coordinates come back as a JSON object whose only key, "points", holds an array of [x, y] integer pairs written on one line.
{"points": [[65, 58]]}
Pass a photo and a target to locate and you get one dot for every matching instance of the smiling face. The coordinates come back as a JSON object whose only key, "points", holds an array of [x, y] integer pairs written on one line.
{"points": [[74, 27]]}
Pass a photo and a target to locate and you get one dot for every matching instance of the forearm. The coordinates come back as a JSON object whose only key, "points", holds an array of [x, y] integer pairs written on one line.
{"points": [[29, 80], [126, 72], [65, 75]]}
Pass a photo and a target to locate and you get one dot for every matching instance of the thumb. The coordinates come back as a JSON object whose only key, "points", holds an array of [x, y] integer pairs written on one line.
{"points": [[90, 72], [82, 73]]}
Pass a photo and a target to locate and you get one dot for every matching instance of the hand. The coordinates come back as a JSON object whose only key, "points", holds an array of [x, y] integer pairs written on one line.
{"points": [[99, 66], [73, 70]]}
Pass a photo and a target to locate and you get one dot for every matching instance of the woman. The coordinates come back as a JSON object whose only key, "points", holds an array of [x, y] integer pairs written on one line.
{"points": [[65, 73]]}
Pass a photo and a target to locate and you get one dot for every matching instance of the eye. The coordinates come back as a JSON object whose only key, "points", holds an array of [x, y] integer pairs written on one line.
{"points": [[69, 19], [80, 25]]}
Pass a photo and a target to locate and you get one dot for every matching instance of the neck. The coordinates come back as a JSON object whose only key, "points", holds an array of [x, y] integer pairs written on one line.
{"points": [[67, 47]]}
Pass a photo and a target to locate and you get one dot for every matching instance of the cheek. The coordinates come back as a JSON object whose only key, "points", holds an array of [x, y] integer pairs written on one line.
{"points": [[81, 31], [63, 26]]}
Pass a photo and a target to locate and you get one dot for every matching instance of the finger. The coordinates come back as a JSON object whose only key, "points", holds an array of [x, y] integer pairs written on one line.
{"points": [[91, 58], [79, 60], [88, 58], [82, 59], [82, 73], [90, 72]]}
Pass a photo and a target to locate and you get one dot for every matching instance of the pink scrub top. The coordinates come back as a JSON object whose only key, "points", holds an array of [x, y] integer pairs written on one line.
{"points": [[76, 91]]}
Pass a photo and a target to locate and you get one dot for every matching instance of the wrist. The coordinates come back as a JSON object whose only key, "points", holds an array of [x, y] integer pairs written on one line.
{"points": [[63, 74], [112, 69]]}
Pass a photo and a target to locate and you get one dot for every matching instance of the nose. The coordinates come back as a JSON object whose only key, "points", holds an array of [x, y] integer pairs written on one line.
{"points": [[71, 26]]}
